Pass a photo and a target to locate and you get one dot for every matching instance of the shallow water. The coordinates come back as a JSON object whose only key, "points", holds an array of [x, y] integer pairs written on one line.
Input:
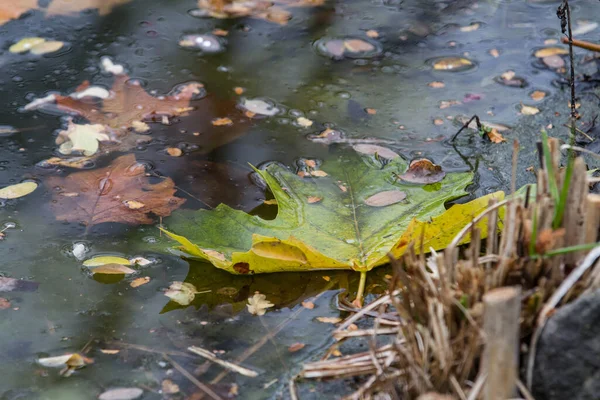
{"points": [[70, 311]]}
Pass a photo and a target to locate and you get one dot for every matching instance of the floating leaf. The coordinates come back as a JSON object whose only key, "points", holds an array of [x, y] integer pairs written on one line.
{"points": [[258, 304], [529, 110], [509, 78], [25, 44], [423, 171], [495, 53], [103, 194], [551, 51], [4, 303], [18, 190], [372, 33], [121, 394], [358, 46], [309, 305], [436, 84], [47, 47], [129, 104], [83, 139], [374, 150], [470, 28], [342, 233], [329, 320], [554, 61], [304, 122], [139, 281], [103, 260], [452, 64], [386, 198], [222, 122], [174, 152], [112, 269], [68, 362], [494, 136], [181, 292], [261, 107], [169, 387], [537, 95]]}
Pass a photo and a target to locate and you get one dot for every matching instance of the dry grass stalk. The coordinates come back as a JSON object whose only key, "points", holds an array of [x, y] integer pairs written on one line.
{"points": [[437, 304]]}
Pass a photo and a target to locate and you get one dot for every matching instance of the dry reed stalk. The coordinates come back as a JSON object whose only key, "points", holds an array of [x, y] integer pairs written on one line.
{"points": [[436, 305]]}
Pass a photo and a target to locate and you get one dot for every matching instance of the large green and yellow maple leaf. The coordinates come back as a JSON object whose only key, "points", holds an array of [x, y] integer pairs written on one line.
{"points": [[324, 219]]}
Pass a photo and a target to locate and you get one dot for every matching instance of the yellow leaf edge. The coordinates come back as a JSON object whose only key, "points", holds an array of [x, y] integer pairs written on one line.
{"points": [[443, 228]]}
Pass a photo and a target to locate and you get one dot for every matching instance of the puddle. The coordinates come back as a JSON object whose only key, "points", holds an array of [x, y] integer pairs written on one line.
{"points": [[268, 94]]}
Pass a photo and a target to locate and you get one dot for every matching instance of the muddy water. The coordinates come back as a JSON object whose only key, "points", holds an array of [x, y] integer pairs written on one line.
{"points": [[70, 311]]}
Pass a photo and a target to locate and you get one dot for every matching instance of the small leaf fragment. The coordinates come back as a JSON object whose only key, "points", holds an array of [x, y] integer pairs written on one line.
{"points": [[258, 304], [304, 122], [494, 53], [551, 51], [537, 95], [296, 347], [385, 198], [313, 199], [238, 90], [452, 64], [309, 305], [174, 151], [169, 387], [18, 190], [112, 269], [139, 281], [554, 61], [470, 28], [318, 173], [529, 110], [222, 122], [436, 84], [25, 44], [358, 46], [423, 171], [181, 292], [329, 320], [103, 260], [121, 394], [47, 47], [372, 33], [110, 351], [495, 136]]}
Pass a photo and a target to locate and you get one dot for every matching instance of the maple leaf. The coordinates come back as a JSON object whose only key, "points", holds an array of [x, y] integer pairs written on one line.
{"points": [[15, 8], [344, 230], [107, 194], [263, 9], [129, 104]]}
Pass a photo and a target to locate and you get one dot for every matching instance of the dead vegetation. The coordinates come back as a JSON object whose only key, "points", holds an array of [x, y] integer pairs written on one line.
{"points": [[455, 324]]}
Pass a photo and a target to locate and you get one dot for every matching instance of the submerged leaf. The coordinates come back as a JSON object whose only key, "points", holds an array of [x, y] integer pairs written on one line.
{"points": [[529, 110], [341, 233], [18, 190], [121, 394], [103, 195], [386, 198]]}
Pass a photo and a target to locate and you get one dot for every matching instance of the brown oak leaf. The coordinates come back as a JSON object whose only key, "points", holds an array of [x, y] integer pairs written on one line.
{"points": [[106, 195], [263, 9], [129, 103]]}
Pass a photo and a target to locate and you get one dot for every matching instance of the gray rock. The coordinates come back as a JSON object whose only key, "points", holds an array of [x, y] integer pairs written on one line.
{"points": [[568, 355]]}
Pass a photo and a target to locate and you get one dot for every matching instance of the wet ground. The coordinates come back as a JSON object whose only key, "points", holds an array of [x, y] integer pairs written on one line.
{"points": [[385, 94]]}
